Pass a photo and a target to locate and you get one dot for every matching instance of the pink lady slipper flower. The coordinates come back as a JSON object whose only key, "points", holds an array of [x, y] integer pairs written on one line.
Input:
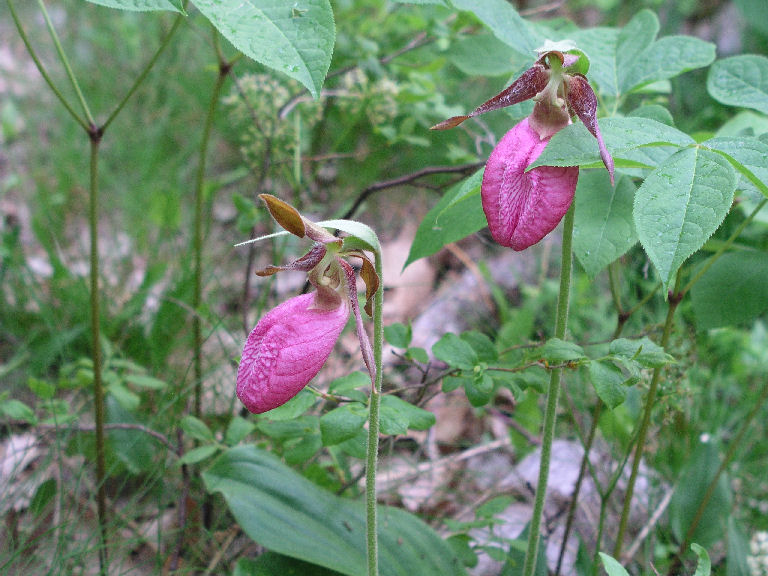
{"points": [[290, 344], [522, 207]]}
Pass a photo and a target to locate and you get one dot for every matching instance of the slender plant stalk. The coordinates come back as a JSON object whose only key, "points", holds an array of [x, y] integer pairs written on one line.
{"points": [[65, 63], [373, 429], [553, 392], [98, 386], [42, 70], [674, 301]]}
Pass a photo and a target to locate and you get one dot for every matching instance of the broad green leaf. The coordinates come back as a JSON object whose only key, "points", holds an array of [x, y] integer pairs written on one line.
{"points": [[44, 495], [600, 44], [42, 388], [286, 513], [483, 55], [748, 155], [692, 486], [349, 386], [653, 112], [744, 123], [295, 38], [608, 382], [142, 5], [479, 389], [633, 39], [198, 454], [504, 21], [738, 550], [417, 354], [451, 383], [460, 544], [237, 430], [455, 352], [666, 58], [603, 226], [357, 230], [295, 407], [643, 351], [482, 345], [393, 421], [196, 428], [458, 214], [272, 564], [556, 351], [287, 429], [612, 566], [732, 291], [415, 417], [342, 423], [144, 381], [740, 81], [438, 2], [17, 410], [575, 146], [398, 335], [297, 452], [704, 565], [680, 205]]}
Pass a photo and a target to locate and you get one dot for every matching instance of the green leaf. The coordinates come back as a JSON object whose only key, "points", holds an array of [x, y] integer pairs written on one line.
{"points": [[288, 514], [603, 226], [680, 205], [483, 55], [608, 382], [41, 388], [748, 155], [196, 428], [704, 566], [272, 564], [458, 214], [392, 421], [504, 21], [556, 351], [643, 351], [612, 567], [664, 59], [482, 345], [142, 5], [738, 550], [144, 381], [479, 389], [295, 38], [734, 290], [460, 544], [740, 81], [398, 335], [416, 418], [575, 146], [455, 352], [692, 485], [198, 454], [451, 383], [286, 429], [363, 233], [237, 430], [417, 355], [44, 495], [295, 407], [438, 2], [133, 448], [600, 44], [17, 410], [342, 423]]}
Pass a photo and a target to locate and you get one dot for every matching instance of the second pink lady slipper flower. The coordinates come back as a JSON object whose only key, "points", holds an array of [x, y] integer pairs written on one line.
{"points": [[292, 342], [522, 207]]}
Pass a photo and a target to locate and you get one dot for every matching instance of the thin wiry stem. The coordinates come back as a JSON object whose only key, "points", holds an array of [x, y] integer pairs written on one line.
{"points": [[42, 70], [553, 392], [373, 428]]}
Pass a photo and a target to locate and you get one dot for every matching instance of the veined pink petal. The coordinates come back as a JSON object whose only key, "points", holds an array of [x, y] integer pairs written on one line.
{"points": [[523, 207], [286, 350]]}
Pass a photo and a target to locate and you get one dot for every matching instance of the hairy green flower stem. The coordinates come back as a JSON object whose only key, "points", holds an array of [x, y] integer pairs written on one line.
{"points": [[95, 134], [553, 392], [372, 455]]}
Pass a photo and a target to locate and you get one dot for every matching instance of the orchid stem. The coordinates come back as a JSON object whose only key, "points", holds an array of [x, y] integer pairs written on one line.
{"points": [[373, 429], [550, 415]]}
